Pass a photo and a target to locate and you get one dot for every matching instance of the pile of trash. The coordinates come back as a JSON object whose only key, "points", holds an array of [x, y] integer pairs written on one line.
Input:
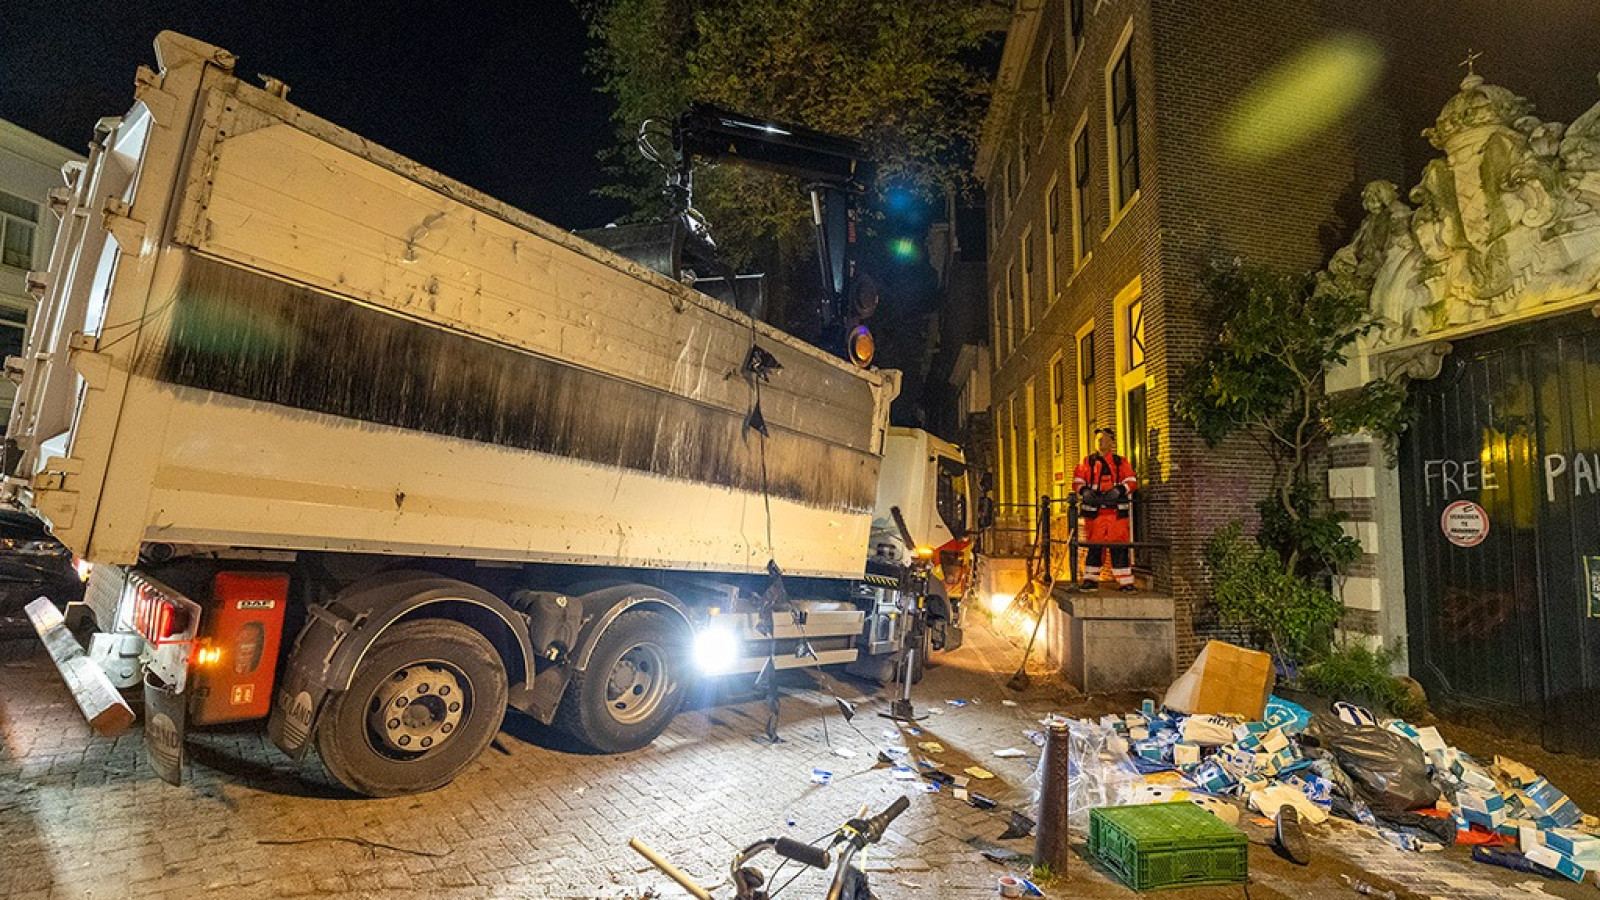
{"points": [[1409, 785]]}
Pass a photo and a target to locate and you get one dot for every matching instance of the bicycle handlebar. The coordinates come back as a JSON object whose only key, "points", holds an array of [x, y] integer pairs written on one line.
{"points": [[879, 823], [815, 857]]}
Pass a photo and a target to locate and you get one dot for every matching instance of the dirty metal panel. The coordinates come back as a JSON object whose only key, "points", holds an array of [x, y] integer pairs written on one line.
{"points": [[1501, 514], [240, 333], [1569, 544], [292, 203]]}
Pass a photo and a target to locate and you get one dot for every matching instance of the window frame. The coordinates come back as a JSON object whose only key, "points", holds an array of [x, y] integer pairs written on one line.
{"points": [[1081, 171], [10, 219], [1052, 227], [1121, 58]]}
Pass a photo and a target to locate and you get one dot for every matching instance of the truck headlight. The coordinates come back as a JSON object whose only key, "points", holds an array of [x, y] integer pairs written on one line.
{"points": [[715, 650]]}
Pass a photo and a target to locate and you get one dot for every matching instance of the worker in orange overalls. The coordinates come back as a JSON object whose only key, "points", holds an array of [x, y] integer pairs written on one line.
{"points": [[1104, 483]]}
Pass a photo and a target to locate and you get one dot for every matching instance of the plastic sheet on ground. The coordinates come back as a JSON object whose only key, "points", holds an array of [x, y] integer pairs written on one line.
{"points": [[1099, 773]]}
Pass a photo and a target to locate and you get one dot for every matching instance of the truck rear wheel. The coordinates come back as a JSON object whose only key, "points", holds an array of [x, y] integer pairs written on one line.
{"points": [[632, 687], [424, 703]]}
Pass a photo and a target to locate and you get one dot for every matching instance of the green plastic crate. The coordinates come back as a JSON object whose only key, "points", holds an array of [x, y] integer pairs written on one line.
{"points": [[1167, 845]]}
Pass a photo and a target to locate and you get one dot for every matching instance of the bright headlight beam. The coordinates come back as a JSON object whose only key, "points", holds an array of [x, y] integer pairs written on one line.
{"points": [[715, 650]]}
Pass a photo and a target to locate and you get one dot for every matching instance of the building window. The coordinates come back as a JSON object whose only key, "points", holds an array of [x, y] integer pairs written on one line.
{"points": [[1024, 154], [1132, 378], [1052, 227], [999, 324], [1135, 327], [1014, 300], [996, 214], [1011, 180], [18, 219], [1124, 115], [1080, 193], [1030, 449], [1075, 22], [1088, 420], [1026, 293], [1048, 78], [1002, 428], [1058, 415]]}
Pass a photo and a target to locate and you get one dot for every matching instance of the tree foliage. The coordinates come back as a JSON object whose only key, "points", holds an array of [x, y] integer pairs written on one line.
{"points": [[893, 74], [1293, 616], [1265, 376]]}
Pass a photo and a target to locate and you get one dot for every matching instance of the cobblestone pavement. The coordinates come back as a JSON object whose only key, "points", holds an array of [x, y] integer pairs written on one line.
{"points": [[83, 817]]}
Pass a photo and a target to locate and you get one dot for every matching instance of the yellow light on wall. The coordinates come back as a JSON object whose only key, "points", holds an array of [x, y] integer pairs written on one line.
{"points": [[1307, 93]]}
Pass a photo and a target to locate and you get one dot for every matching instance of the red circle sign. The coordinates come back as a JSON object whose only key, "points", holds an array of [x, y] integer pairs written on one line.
{"points": [[1464, 523]]}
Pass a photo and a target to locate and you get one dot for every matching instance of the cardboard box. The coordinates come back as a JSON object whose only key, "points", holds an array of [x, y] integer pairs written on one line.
{"points": [[1581, 848], [1224, 679], [1490, 821], [1550, 859]]}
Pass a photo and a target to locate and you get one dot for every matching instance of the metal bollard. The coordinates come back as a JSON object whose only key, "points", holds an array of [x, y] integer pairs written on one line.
{"points": [[1051, 845]]}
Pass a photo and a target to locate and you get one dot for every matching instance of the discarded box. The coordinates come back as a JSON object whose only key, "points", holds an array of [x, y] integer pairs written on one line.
{"points": [[1224, 679], [1488, 821], [1550, 859], [1581, 847], [1167, 845]]}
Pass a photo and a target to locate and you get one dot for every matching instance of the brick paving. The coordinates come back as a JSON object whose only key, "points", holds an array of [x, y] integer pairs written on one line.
{"points": [[83, 817]]}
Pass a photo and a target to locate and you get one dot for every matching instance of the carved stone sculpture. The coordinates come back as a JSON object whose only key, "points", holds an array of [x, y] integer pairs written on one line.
{"points": [[1506, 221]]}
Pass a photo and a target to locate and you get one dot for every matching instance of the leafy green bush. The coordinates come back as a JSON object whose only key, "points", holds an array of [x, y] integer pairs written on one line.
{"points": [[1361, 675], [1255, 590]]}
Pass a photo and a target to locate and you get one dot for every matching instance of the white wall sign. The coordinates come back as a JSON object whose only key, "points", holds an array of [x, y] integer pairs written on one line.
{"points": [[1464, 523]]}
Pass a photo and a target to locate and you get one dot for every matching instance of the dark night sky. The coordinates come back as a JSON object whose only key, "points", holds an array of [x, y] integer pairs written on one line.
{"points": [[492, 94], [495, 94]]}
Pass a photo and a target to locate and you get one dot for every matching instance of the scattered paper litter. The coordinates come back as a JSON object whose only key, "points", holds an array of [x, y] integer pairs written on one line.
{"points": [[821, 776], [844, 752], [1008, 703], [960, 793], [903, 773], [956, 702], [928, 787], [978, 772], [931, 747], [1009, 753]]}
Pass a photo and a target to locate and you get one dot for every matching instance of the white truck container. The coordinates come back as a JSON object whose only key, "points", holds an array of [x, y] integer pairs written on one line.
{"points": [[356, 448]]}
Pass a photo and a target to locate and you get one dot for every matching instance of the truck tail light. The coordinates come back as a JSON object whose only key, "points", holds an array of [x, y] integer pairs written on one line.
{"points": [[163, 618], [235, 663]]}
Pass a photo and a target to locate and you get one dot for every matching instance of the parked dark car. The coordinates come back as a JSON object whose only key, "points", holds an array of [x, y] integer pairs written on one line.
{"points": [[32, 564]]}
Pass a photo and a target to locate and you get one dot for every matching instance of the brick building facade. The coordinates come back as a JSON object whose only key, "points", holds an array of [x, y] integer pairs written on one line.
{"points": [[1111, 185]]}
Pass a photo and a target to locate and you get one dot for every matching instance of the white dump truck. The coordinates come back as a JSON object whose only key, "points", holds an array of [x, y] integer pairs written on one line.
{"points": [[358, 450]]}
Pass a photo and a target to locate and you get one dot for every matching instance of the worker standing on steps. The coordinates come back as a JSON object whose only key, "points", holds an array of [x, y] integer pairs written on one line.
{"points": [[1104, 483]]}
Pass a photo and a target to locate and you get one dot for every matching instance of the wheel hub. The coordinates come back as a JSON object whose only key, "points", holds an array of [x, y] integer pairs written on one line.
{"points": [[637, 684], [418, 708]]}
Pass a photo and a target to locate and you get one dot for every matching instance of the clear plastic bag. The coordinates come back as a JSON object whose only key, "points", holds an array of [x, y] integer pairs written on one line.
{"points": [[1099, 773]]}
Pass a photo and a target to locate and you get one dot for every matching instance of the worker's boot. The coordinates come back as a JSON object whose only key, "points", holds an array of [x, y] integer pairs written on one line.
{"points": [[1088, 585]]}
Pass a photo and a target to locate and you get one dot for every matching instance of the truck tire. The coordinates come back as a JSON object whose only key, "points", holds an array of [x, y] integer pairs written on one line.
{"points": [[426, 700], [632, 687]]}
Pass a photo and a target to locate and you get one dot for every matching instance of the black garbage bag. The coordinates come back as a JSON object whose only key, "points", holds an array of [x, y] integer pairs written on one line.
{"points": [[1387, 770]]}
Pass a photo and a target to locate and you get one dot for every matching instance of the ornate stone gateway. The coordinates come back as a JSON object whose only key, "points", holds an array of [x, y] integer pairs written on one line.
{"points": [[1485, 278]]}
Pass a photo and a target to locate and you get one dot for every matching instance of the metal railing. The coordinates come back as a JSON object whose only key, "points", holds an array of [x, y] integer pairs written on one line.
{"points": [[1032, 531]]}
